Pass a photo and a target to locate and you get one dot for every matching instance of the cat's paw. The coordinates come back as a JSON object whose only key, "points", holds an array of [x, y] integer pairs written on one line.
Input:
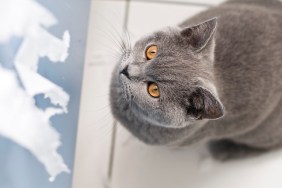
{"points": [[224, 150]]}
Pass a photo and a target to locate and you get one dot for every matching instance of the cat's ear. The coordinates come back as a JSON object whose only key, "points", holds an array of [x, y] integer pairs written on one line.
{"points": [[199, 36], [203, 104]]}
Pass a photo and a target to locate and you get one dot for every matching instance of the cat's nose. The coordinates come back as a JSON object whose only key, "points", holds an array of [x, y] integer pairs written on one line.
{"points": [[125, 71]]}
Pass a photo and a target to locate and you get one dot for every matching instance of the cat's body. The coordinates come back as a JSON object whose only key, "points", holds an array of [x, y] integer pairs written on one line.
{"points": [[245, 77]]}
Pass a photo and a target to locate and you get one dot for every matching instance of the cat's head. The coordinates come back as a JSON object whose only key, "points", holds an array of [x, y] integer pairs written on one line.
{"points": [[167, 79]]}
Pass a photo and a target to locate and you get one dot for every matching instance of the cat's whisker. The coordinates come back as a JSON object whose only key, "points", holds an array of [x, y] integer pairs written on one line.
{"points": [[104, 117], [110, 48], [114, 36], [129, 39], [103, 95], [104, 134], [103, 108], [121, 40], [105, 130], [110, 25], [118, 43]]}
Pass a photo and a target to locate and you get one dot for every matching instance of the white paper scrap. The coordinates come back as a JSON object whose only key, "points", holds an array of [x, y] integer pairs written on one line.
{"points": [[18, 17], [27, 125], [42, 44], [35, 84], [21, 120]]}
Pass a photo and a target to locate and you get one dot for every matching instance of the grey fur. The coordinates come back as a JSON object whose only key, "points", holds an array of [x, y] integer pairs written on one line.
{"points": [[205, 70]]}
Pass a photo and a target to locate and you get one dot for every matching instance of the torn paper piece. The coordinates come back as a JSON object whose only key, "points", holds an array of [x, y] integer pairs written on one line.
{"points": [[29, 126], [18, 17], [22, 121], [42, 44], [36, 84]]}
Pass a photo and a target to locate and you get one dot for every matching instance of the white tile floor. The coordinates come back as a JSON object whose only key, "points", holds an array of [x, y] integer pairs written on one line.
{"points": [[136, 165], [95, 121]]}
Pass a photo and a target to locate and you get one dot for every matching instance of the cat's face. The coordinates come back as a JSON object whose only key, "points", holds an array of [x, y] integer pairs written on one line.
{"points": [[167, 80]]}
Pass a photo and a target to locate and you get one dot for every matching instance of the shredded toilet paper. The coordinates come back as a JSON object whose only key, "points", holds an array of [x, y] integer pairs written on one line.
{"points": [[27, 125], [21, 120]]}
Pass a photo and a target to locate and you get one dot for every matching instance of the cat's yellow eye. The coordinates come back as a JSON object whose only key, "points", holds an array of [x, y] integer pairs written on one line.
{"points": [[153, 90], [151, 52]]}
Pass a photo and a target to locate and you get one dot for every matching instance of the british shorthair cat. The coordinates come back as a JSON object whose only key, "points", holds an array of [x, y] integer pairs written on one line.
{"points": [[216, 77]]}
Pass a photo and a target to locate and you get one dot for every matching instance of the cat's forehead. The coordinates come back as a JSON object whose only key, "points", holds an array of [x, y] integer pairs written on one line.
{"points": [[160, 36]]}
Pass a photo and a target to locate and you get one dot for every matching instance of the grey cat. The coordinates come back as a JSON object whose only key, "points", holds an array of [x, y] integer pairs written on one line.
{"points": [[215, 78]]}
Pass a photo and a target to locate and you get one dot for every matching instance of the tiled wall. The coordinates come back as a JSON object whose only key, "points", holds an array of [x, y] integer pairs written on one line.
{"points": [[112, 157]]}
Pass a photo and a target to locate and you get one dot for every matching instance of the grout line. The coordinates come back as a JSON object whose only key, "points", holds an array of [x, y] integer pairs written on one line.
{"points": [[112, 151], [176, 3], [114, 130], [169, 2], [126, 16]]}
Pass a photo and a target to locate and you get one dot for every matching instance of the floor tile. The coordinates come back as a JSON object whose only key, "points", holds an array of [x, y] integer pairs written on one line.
{"points": [[191, 2], [147, 17], [95, 120], [138, 165]]}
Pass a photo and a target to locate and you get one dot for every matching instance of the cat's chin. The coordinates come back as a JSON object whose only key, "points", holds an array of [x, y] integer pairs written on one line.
{"points": [[170, 126], [143, 117]]}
